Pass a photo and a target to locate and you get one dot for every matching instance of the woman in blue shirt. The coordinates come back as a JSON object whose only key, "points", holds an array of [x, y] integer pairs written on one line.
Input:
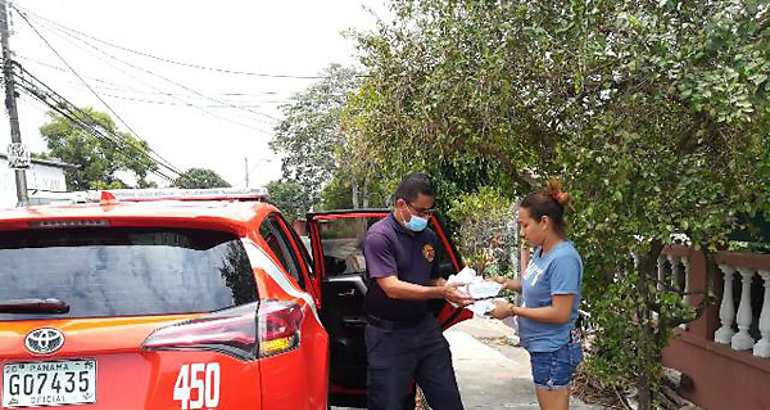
{"points": [[551, 290]]}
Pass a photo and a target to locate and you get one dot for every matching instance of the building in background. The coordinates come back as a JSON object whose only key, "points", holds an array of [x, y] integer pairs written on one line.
{"points": [[45, 182]]}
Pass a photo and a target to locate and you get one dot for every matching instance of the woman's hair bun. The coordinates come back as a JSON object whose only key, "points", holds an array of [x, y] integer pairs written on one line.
{"points": [[555, 192]]}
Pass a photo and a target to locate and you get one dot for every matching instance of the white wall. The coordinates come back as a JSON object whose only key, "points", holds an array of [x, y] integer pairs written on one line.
{"points": [[39, 176]]}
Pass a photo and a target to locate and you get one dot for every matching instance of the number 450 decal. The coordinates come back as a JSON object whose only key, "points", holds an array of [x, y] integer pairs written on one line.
{"points": [[202, 378]]}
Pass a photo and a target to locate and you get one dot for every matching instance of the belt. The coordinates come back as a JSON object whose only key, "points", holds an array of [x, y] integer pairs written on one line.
{"points": [[394, 324]]}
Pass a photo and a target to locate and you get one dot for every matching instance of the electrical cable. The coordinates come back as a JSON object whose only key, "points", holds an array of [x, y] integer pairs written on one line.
{"points": [[175, 62], [64, 70], [84, 126], [164, 78], [156, 102], [162, 159], [61, 103], [140, 91], [172, 95], [75, 121]]}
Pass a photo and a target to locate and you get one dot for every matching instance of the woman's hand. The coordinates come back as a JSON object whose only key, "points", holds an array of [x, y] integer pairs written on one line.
{"points": [[512, 284], [501, 310]]}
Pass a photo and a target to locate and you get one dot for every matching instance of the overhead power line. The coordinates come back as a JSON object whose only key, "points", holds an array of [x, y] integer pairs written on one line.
{"points": [[46, 95], [84, 121], [176, 62], [150, 72], [77, 122], [174, 96], [165, 162], [64, 70], [141, 91], [157, 102], [85, 126]]}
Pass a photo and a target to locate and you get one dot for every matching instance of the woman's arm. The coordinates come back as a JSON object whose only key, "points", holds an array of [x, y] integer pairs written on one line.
{"points": [[558, 312]]}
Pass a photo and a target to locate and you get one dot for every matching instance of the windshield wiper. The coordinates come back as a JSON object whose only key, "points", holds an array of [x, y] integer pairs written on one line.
{"points": [[50, 305]]}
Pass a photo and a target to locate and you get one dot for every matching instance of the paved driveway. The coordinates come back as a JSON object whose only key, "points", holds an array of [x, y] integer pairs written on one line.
{"points": [[493, 377], [496, 377]]}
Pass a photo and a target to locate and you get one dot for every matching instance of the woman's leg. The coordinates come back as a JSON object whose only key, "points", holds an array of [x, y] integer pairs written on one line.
{"points": [[552, 373], [553, 399]]}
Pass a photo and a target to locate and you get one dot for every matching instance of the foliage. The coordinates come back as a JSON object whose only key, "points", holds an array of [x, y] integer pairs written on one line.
{"points": [[290, 198], [487, 230], [97, 160], [200, 178], [309, 137], [656, 115], [339, 194]]}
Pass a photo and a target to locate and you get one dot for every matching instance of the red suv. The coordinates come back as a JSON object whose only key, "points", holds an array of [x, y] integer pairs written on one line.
{"points": [[166, 304]]}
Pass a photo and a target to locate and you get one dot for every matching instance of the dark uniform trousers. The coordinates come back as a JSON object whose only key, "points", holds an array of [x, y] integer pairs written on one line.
{"points": [[399, 354]]}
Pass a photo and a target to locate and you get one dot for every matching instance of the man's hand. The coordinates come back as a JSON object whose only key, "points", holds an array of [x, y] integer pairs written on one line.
{"points": [[451, 294], [502, 310]]}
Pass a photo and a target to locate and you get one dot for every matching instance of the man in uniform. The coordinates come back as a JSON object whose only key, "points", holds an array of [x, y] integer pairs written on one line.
{"points": [[404, 342]]}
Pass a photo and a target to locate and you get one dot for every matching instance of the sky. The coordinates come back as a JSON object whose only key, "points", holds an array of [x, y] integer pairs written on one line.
{"points": [[191, 117]]}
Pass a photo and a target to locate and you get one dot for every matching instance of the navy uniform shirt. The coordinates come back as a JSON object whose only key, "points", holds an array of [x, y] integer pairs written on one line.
{"points": [[390, 249]]}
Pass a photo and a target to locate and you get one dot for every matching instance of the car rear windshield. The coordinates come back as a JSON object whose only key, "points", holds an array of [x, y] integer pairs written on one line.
{"points": [[102, 272]]}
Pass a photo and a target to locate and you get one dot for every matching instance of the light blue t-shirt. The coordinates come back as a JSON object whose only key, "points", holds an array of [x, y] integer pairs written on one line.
{"points": [[556, 272]]}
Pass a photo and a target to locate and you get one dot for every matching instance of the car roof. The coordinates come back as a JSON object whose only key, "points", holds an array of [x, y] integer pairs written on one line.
{"points": [[231, 215]]}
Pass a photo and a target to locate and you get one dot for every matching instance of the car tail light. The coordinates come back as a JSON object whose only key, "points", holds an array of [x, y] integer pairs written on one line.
{"points": [[233, 334], [274, 329], [279, 326]]}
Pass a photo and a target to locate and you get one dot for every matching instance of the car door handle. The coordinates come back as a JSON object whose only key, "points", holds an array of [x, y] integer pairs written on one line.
{"points": [[354, 321], [347, 294]]}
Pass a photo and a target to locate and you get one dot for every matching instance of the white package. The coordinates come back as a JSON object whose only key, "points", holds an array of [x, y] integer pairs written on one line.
{"points": [[477, 288]]}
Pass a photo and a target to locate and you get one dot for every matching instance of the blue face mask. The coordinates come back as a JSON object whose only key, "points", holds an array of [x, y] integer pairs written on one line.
{"points": [[416, 224]]}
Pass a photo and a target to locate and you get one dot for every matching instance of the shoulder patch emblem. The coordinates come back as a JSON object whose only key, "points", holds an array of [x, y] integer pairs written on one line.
{"points": [[429, 252]]}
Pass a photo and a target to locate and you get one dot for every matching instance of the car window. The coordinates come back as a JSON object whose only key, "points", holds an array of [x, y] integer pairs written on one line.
{"points": [[278, 241], [103, 272], [303, 244], [342, 241], [442, 257]]}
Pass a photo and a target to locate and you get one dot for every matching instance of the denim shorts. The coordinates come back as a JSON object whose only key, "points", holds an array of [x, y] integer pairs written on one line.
{"points": [[554, 370]]}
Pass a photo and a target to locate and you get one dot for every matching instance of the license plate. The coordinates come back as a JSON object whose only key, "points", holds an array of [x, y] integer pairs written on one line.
{"points": [[56, 383]]}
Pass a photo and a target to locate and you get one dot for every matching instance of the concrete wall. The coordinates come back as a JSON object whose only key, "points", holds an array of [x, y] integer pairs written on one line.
{"points": [[723, 378], [40, 176]]}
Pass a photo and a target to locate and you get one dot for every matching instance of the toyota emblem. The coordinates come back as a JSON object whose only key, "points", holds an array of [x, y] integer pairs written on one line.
{"points": [[44, 341]]}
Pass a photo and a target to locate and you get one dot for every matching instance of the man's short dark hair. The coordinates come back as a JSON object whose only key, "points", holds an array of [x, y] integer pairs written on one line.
{"points": [[412, 185]]}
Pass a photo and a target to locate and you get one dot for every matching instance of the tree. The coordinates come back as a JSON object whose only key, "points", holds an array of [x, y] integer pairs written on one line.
{"points": [[290, 197], [656, 115], [200, 178], [98, 160], [310, 137]]}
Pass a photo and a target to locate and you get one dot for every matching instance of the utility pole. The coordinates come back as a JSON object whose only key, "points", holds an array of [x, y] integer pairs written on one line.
{"points": [[18, 156], [247, 172]]}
